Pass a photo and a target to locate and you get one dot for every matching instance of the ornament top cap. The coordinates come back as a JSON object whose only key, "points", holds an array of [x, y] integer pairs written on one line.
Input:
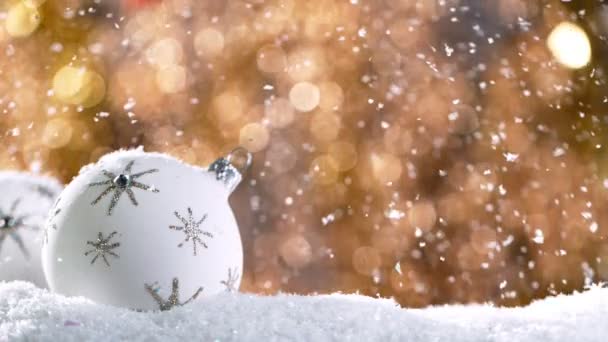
{"points": [[228, 170]]}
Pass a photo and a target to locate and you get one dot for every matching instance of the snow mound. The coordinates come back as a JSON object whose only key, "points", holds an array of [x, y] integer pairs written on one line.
{"points": [[28, 313]]}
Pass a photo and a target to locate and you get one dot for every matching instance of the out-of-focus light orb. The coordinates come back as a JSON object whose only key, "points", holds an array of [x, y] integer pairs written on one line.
{"points": [[281, 156], [325, 126], [484, 240], [305, 96], [570, 45], [95, 92], [254, 137], [296, 251], [164, 53], [344, 154], [22, 20], [171, 79], [386, 167], [209, 42], [422, 215], [305, 64], [68, 82], [79, 86], [279, 113], [463, 120], [57, 133], [34, 3], [227, 108], [271, 59], [324, 170], [332, 96], [366, 260]]}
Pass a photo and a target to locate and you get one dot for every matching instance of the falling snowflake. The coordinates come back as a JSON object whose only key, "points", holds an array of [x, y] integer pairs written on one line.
{"points": [[11, 223], [173, 299], [191, 229], [511, 157], [230, 282], [102, 247], [121, 183]]}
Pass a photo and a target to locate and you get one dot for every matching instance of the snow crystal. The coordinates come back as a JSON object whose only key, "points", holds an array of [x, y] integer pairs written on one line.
{"points": [[511, 157], [28, 313]]}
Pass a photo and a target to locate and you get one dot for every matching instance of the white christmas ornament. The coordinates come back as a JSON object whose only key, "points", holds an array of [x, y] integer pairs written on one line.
{"points": [[25, 201], [146, 231]]}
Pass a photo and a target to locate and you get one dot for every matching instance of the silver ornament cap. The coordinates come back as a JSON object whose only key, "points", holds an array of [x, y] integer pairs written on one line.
{"points": [[230, 168]]}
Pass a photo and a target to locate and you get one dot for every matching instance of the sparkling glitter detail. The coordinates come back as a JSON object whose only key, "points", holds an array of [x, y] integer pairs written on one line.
{"points": [[223, 169], [102, 247], [11, 223], [226, 173], [173, 299], [121, 183], [230, 282], [191, 229]]}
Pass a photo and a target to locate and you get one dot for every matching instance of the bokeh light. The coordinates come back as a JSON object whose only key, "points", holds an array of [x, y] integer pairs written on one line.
{"points": [[569, 45]]}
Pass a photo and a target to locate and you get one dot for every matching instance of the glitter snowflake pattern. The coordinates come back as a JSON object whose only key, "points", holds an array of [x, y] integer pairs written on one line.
{"points": [[11, 223], [102, 247], [51, 224], [191, 229], [44, 191], [173, 299], [230, 282], [121, 183]]}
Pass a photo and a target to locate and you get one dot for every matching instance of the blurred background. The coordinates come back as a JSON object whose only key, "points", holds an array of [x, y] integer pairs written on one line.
{"points": [[434, 151]]}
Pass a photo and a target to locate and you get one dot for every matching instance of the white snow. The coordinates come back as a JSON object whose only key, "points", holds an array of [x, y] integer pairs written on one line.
{"points": [[28, 313]]}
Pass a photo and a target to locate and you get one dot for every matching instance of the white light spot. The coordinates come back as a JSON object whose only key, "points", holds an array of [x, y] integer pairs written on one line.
{"points": [[570, 45]]}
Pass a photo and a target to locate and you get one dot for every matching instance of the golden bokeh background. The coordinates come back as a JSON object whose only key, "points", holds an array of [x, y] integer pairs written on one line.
{"points": [[434, 151]]}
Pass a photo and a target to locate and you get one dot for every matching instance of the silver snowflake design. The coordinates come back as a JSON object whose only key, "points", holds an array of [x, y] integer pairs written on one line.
{"points": [[173, 299], [50, 224], [121, 183], [102, 247], [44, 191], [11, 223], [191, 229], [230, 282]]}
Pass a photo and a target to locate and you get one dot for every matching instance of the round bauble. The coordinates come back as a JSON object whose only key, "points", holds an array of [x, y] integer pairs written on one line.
{"points": [[25, 201], [145, 231]]}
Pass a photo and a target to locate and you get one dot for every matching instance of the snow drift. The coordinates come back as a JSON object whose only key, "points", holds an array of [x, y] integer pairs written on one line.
{"points": [[28, 313]]}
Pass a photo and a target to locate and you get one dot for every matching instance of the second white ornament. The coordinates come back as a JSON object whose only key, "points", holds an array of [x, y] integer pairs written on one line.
{"points": [[146, 231], [25, 200]]}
